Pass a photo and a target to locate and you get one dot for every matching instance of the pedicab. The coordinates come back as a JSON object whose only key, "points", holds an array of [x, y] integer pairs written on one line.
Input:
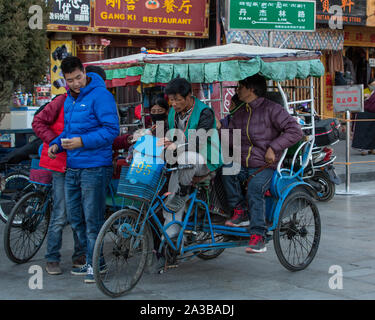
{"points": [[125, 245]]}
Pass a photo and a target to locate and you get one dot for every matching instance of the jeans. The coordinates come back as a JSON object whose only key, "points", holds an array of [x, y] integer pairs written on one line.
{"points": [[85, 192], [183, 178], [255, 200], [58, 221]]}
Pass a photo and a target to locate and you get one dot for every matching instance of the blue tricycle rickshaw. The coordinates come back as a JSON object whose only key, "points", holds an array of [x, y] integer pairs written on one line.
{"points": [[126, 241]]}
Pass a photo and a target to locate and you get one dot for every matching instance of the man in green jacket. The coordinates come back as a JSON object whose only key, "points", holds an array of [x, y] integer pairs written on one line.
{"points": [[194, 122]]}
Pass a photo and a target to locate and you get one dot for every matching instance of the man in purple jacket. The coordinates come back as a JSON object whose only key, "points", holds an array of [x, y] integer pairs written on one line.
{"points": [[267, 129]]}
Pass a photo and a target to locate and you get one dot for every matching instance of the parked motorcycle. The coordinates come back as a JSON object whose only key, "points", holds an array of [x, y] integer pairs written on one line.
{"points": [[320, 174]]}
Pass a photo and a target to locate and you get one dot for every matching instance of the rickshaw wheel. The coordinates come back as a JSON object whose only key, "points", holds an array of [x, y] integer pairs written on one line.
{"points": [[203, 237], [118, 260], [296, 238]]}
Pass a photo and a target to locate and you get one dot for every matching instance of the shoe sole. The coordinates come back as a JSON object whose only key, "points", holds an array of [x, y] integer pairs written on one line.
{"points": [[89, 281], [251, 250], [78, 273], [242, 224], [85, 273], [54, 273]]}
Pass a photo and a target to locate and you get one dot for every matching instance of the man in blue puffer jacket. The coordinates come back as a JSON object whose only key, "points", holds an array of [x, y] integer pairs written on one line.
{"points": [[91, 124]]}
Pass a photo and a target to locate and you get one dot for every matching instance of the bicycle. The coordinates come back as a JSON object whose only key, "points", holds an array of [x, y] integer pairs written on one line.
{"points": [[14, 184], [28, 221]]}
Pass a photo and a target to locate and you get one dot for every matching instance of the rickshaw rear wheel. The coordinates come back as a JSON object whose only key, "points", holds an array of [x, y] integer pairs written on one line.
{"points": [[212, 253], [296, 238], [121, 253]]}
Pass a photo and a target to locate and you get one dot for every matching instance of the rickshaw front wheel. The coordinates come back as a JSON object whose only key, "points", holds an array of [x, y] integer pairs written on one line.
{"points": [[121, 252], [296, 238]]}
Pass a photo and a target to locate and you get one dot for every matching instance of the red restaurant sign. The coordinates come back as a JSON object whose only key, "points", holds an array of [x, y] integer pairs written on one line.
{"points": [[173, 18]]}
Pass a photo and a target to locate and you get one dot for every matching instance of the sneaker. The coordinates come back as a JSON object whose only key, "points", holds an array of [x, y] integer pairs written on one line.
{"points": [[80, 271], [176, 203], [79, 262], [53, 268], [256, 244], [89, 278], [83, 271], [239, 219]]}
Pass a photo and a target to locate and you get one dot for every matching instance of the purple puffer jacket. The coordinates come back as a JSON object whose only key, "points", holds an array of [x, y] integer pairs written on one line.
{"points": [[264, 124]]}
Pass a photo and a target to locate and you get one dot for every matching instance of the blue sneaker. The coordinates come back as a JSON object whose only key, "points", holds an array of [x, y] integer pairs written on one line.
{"points": [[89, 278], [80, 271]]}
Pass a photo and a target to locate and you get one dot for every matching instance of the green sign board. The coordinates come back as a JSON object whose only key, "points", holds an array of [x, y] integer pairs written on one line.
{"points": [[271, 15]]}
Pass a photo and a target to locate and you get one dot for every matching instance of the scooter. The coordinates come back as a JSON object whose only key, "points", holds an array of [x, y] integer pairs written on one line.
{"points": [[320, 174]]}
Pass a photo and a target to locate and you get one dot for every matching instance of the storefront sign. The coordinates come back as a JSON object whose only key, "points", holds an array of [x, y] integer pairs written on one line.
{"points": [[354, 11], [171, 18], [180, 18], [59, 51], [348, 98], [328, 95], [359, 37], [271, 15], [70, 12]]}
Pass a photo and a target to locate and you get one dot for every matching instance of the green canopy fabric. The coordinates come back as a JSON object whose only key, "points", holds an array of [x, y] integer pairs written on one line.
{"points": [[123, 73], [232, 70]]}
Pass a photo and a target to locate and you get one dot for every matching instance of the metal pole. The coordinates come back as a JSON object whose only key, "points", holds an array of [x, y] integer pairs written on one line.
{"points": [[347, 182]]}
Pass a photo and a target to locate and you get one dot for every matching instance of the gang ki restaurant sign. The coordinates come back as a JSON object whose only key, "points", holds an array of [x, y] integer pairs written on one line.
{"points": [[354, 11], [70, 12], [174, 18], [181, 18], [286, 15]]}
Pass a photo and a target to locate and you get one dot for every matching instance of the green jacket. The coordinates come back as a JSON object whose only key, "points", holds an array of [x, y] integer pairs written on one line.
{"points": [[211, 151]]}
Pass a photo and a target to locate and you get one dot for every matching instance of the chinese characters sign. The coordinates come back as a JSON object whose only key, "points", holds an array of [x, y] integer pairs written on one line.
{"points": [[187, 18], [271, 15], [354, 11], [70, 12], [348, 98]]}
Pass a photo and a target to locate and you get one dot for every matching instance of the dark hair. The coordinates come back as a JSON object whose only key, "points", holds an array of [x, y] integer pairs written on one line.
{"points": [[70, 64], [256, 82], [98, 70], [178, 86], [159, 100]]}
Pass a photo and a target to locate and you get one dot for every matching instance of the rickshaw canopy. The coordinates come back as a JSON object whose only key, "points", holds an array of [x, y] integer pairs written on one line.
{"points": [[232, 62], [122, 71]]}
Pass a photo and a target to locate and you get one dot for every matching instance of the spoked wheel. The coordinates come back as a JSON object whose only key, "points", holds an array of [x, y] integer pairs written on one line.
{"points": [[120, 253], [23, 239], [296, 238], [204, 237], [14, 186]]}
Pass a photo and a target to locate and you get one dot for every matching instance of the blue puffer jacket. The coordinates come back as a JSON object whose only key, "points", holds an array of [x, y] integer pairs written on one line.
{"points": [[93, 117]]}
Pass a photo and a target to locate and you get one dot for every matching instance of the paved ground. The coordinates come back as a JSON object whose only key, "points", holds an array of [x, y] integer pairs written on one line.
{"points": [[347, 242], [359, 171]]}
